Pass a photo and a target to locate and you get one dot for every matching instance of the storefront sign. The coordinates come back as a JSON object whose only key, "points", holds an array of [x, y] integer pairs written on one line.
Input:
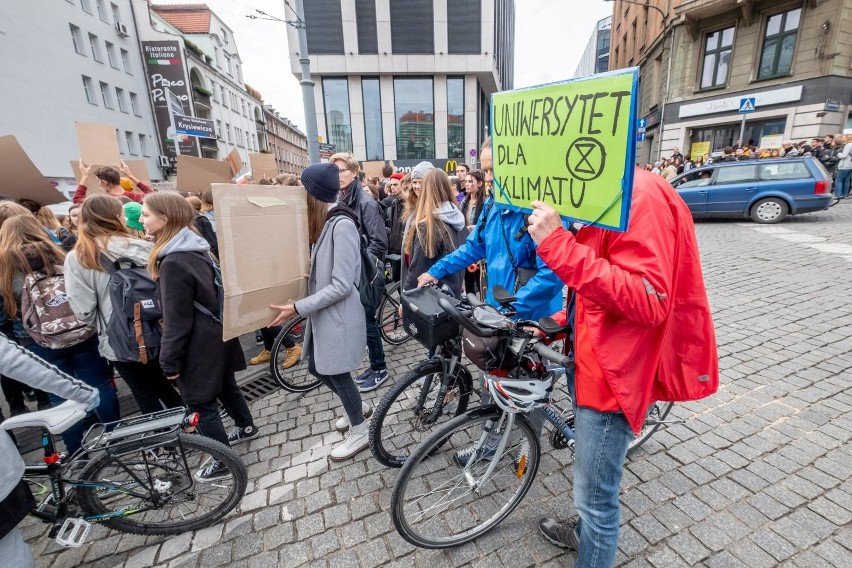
{"points": [[165, 73], [732, 104], [192, 126], [569, 144], [699, 149]]}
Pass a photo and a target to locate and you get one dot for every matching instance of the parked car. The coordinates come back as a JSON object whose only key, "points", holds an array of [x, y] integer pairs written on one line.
{"points": [[766, 190]]}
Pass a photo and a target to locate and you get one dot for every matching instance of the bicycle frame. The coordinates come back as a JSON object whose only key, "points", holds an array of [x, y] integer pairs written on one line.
{"points": [[449, 365]]}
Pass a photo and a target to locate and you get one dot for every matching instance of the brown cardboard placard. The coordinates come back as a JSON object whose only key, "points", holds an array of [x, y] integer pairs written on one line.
{"points": [[21, 178], [263, 165], [138, 167], [373, 169], [98, 144], [234, 162], [196, 174], [258, 271]]}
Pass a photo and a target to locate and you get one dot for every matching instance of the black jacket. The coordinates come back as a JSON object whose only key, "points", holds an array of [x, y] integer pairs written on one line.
{"points": [[419, 262], [192, 345], [394, 208], [205, 228], [371, 220]]}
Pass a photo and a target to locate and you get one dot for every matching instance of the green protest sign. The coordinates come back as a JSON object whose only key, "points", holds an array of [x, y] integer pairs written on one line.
{"points": [[569, 144]]}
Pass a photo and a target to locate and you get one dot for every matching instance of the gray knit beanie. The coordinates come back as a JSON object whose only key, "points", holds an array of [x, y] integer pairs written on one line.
{"points": [[421, 170]]}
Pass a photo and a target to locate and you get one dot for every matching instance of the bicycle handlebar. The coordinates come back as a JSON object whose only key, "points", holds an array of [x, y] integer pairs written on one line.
{"points": [[463, 321], [551, 355]]}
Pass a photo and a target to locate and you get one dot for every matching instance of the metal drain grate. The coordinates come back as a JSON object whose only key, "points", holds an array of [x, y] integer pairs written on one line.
{"points": [[259, 387]]}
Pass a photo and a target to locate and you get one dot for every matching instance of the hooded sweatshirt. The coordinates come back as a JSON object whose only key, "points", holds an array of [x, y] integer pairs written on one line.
{"points": [[88, 289], [419, 262], [186, 240]]}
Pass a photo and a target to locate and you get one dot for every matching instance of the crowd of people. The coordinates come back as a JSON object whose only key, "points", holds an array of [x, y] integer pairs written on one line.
{"points": [[833, 151], [624, 290]]}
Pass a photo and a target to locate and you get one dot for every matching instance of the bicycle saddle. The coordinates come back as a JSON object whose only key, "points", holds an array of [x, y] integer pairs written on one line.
{"points": [[56, 420], [550, 327]]}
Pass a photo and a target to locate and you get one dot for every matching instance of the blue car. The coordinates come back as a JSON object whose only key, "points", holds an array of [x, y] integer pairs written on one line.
{"points": [[767, 190]]}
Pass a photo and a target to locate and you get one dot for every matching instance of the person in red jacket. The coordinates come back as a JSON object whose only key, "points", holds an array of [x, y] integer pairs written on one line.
{"points": [[643, 332], [109, 179]]}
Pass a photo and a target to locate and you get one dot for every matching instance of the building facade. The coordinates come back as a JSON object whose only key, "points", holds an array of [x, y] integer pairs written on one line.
{"points": [[595, 58], [77, 61], [791, 57], [407, 79], [279, 136]]}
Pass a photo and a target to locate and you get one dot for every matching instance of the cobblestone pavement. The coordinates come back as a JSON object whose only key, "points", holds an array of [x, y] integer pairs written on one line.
{"points": [[759, 474]]}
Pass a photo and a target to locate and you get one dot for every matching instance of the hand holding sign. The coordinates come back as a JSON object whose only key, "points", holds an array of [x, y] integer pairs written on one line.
{"points": [[85, 170], [569, 145], [543, 221]]}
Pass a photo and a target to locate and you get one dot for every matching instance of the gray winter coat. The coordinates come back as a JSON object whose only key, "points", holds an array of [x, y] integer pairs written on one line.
{"points": [[23, 365], [336, 333], [88, 289]]}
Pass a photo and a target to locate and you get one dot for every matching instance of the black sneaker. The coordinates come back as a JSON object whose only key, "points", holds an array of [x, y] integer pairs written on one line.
{"points": [[239, 435], [258, 337], [363, 376], [213, 471], [562, 534]]}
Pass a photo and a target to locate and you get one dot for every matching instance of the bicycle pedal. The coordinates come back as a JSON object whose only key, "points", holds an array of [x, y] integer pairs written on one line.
{"points": [[73, 532]]}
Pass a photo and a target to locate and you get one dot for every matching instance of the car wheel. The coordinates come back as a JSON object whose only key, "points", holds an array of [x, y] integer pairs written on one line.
{"points": [[769, 210]]}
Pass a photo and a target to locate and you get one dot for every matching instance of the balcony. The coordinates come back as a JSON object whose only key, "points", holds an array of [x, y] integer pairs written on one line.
{"points": [[209, 144], [693, 12], [201, 97]]}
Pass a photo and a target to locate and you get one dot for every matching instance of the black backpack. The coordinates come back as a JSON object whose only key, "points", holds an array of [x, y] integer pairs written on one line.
{"points": [[218, 317], [135, 327], [371, 285]]}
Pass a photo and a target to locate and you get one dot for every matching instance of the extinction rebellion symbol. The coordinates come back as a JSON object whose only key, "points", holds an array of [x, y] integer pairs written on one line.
{"points": [[585, 159]]}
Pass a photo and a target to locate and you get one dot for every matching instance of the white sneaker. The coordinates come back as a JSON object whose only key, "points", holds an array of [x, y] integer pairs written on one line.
{"points": [[342, 424], [356, 439]]}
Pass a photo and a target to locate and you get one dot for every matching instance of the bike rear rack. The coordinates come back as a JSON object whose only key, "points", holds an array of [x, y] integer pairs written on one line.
{"points": [[135, 433]]}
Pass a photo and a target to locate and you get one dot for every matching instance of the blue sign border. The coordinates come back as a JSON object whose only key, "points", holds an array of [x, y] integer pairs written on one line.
{"points": [[630, 163]]}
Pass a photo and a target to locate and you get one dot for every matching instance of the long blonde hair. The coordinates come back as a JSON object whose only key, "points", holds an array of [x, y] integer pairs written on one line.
{"points": [[430, 231], [178, 214], [100, 219], [22, 238], [48, 219], [9, 209]]}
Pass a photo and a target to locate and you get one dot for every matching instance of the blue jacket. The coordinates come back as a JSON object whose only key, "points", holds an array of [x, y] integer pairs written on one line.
{"points": [[542, 295]]}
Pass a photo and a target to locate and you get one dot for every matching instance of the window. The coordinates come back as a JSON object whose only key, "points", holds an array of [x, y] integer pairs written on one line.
{"points": [[215, 89], [86, 5], [110, 49], [119, 96], [224, 97], [118, 140], [89, 88], [143, 144], [96, 48], [412, 26], [134, 104], [228, 65], [116, 16], [102, 13], [415, 119], [131, 147], [324, 22], [238, 71], [338, 121], [735, 174], [785, 170], [245, 108], [125, 61], [235, 102], [224, 36], [105, 95], [455, 117], [365, 22], [779, 43], [717, 58], [218, 128], [373, 119], [464, 27], [217, 57], [77, 38], [228, 132]]}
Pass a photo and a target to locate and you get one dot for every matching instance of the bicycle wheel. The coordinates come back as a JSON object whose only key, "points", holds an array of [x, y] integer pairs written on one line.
{"points": [[658, 412], [402, 419], [295, 378], [433, 504], [390, 322], [162, 497]]}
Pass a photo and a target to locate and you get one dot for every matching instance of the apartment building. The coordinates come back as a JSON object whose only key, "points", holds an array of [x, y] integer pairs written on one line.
{"points": [[279, 136]]}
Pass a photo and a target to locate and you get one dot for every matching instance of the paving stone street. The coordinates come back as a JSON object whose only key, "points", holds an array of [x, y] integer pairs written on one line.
{"points": [[759, 475]]}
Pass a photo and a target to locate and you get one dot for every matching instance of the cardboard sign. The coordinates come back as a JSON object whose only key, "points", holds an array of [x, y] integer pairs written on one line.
{"points": [[263, 165], [138, 167], [373, 169], [234, 162], [21, 179], [98, 144], [196, 174], [771, 141], [569, 144], [258, 271], [699, 149]]}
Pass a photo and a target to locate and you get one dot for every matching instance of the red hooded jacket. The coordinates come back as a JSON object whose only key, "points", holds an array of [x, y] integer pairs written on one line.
{"points": [[641, 304]]}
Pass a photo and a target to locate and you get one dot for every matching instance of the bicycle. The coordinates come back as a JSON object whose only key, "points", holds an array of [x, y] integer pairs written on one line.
{"points": [[472, 472], [296, 378], [136, 475]]}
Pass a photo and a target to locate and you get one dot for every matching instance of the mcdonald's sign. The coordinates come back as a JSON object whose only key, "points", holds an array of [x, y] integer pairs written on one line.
{"points": [[451, 166]]}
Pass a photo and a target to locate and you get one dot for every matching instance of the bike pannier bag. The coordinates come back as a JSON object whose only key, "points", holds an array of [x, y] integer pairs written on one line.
{"points": [[425, 320]]}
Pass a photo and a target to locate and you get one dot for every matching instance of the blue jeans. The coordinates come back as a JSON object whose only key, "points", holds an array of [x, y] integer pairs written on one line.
{"points": [[375, 349], [83, 362], [600, 448], [843, 181]]}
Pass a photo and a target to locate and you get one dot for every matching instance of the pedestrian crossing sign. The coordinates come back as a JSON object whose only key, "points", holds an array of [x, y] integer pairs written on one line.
{"points": [[746, 105]]}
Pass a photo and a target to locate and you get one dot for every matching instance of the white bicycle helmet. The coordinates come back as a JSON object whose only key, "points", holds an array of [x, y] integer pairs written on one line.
{"points": [[519, 395]]}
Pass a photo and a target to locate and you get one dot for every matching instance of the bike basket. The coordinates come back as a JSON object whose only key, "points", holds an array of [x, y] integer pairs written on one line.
{"points": [[425, 320], [138, 432]]}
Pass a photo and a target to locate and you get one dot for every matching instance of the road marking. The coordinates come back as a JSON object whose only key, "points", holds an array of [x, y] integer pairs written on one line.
{"points": [[808, 240], [800, 238], [834, 248]]}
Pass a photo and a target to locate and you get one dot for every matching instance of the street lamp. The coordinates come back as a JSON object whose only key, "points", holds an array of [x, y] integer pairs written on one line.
{"points": [[666, 30]]}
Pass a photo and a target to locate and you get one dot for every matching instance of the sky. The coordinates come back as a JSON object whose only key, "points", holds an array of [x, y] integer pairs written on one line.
{"points": [[550, 36]]}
